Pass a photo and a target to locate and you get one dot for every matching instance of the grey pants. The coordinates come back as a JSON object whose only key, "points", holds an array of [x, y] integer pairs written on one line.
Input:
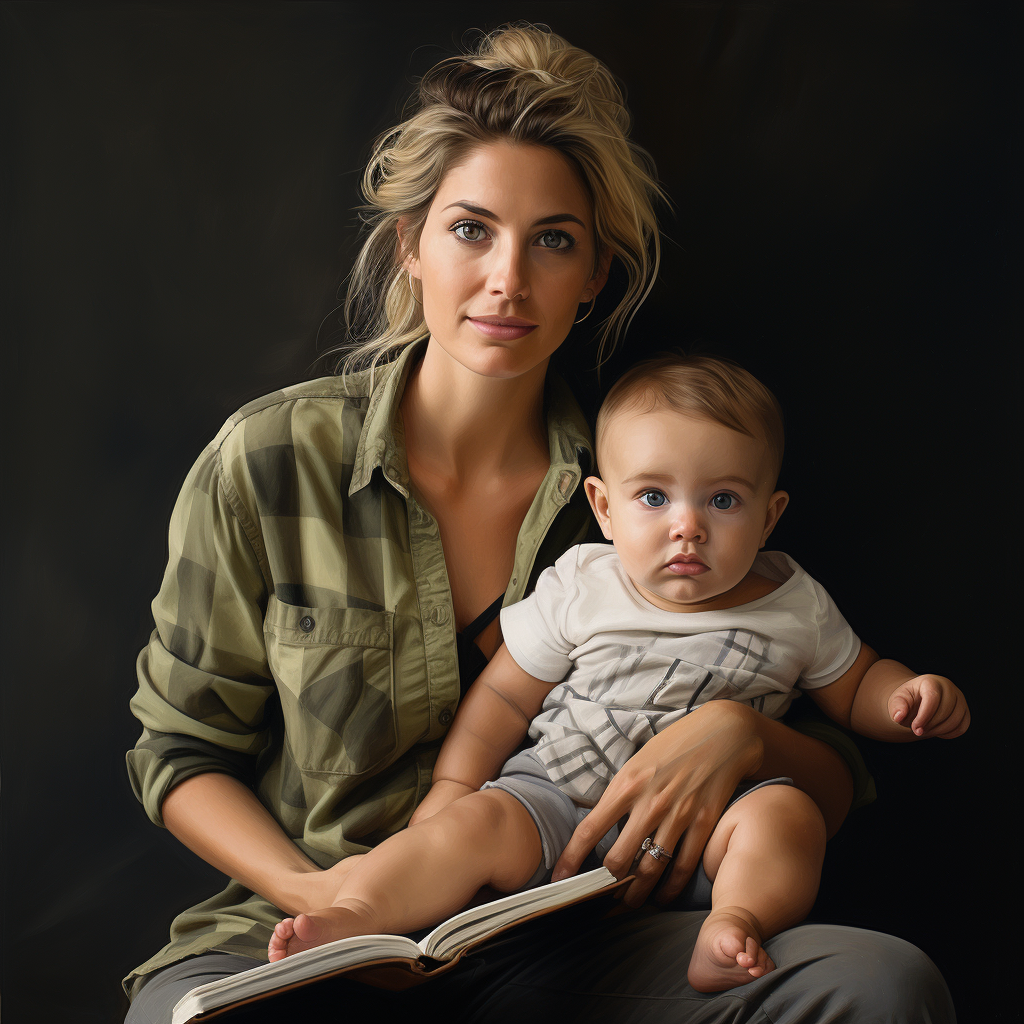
{"points": [[581, 966]]}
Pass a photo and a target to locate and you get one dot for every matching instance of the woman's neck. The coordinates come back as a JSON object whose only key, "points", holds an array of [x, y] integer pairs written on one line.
{"points": [[460, 425]]}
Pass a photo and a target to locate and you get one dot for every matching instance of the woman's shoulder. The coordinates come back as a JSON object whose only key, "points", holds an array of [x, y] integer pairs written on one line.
{"points": [[323, 393], [296, 412]]}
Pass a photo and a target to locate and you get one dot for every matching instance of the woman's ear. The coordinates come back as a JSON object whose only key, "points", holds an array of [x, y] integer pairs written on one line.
{"points": [[600, 278], [776, 506], [597, 495], [406, 248]]}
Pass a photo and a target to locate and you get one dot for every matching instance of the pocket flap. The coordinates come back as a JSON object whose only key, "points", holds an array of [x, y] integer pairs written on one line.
{"points": [[348, 627]]}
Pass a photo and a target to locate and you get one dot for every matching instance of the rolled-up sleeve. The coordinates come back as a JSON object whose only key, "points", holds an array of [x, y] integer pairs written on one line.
{"points": [[203, 678]]}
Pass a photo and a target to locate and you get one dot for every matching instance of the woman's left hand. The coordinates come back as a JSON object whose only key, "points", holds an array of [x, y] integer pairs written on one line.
{"points": [[676, 785]]}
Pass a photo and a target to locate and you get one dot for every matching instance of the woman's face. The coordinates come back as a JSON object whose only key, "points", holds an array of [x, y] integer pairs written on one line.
{"points": [[505, 258]]}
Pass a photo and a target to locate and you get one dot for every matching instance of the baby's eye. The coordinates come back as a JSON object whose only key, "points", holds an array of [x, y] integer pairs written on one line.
{"points": [[653, 499], [470, 231], [556, 240], [723, 502]]}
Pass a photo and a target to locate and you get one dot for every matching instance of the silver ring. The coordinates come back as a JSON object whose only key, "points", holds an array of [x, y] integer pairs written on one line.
{"points": [[656, 851]]}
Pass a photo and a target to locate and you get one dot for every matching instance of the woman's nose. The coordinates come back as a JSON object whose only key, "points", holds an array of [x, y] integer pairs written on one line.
{"points": [[688, 525], [509, 277]]}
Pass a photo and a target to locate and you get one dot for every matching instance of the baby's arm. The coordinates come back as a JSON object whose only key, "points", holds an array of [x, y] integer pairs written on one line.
{"points": [[491, 722], [885, 700]]}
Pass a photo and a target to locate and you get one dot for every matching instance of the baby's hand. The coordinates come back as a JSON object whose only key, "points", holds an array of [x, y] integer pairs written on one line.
{"points": [[930, 706]]}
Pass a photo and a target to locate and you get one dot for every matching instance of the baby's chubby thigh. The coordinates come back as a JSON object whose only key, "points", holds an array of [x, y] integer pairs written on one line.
{"points": [[553, 813]]}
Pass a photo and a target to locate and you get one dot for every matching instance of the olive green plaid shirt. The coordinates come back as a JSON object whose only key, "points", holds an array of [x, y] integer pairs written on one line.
{"points": [[305, 636]]}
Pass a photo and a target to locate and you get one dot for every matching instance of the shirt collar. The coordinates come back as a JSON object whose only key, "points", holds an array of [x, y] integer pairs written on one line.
{"points": [[382, 439], [378, 445]]}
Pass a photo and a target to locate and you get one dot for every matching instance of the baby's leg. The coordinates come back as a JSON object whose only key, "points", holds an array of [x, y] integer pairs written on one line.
{"points": [[425, 873], [764, 859]]}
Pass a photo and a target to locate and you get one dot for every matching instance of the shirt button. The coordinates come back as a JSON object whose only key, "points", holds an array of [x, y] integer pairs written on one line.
{"points": [[439, 616], [445, 717], [306, 623]]}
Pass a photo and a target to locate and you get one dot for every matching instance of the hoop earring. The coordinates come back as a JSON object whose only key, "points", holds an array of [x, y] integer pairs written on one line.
{"points": [[588, 312], [412, 292]]}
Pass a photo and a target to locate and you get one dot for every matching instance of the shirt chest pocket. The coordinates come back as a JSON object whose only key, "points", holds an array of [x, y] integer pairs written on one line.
{"points": [[333, 668]]}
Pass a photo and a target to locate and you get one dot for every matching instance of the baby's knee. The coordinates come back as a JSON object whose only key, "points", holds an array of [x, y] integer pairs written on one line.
{"points": [[786, 806], [487, 812]]}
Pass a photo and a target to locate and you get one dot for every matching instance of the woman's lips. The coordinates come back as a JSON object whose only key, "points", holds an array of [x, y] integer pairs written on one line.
{"points": [[503, 328]]}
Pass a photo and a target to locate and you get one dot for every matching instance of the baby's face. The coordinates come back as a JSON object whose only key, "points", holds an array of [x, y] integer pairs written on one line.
{"points": [[687, 502]]}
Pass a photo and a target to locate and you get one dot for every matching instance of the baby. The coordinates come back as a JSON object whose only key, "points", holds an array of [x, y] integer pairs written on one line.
{"points": [[618, 642]]}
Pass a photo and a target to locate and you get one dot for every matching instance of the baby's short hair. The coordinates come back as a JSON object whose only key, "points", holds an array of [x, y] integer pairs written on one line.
{"points": [[715, 388]]}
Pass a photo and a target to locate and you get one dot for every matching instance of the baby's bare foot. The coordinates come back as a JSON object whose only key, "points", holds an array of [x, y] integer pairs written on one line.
{"points": [[294, 934], [728, 952]]}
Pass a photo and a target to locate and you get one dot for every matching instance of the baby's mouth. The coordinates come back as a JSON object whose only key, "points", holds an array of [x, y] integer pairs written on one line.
{"points": [[686, 565]]}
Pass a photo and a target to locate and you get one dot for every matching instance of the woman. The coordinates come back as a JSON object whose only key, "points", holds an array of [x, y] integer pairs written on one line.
{"points": [[340, 550]]}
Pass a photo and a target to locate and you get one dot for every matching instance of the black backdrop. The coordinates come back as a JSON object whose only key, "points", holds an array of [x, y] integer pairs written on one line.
{"points": [[178, 194]]}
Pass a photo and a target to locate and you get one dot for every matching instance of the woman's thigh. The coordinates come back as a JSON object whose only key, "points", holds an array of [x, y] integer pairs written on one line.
{"points": [[630, 968], [155, 1001]]}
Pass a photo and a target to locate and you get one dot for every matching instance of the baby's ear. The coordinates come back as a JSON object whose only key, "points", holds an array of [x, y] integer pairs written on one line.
{"points": [[597, 495], [776, 506]]}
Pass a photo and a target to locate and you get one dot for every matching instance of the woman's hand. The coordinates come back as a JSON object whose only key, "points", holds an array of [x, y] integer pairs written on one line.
{"points": [[223, 821], [676, 784]]}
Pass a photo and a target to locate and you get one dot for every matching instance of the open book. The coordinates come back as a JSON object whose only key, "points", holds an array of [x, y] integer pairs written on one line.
{"points": [[392, 961]]}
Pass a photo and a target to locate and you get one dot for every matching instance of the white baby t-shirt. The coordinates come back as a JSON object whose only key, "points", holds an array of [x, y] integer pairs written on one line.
{"points": [[630, 668]]}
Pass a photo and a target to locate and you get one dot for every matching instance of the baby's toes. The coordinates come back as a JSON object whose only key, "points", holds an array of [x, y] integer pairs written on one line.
{"points": [[747, 957], [279, 938], [763, 964]]}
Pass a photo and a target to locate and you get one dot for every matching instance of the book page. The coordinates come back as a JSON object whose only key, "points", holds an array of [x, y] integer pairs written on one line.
{"points": [[453, 935]]}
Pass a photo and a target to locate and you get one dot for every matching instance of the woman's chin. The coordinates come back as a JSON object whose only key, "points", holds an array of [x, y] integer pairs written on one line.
{"points": [[497, 360]]}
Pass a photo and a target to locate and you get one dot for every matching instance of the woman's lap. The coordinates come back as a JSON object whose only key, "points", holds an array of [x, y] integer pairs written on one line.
{"points": [[577, 966]]}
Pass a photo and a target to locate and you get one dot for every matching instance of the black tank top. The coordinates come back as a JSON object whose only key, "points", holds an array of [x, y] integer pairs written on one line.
{"points": [[471, 658]]}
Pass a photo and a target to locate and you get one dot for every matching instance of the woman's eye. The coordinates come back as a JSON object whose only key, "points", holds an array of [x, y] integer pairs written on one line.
{"points": [[723, 502], [653, 499], [470, 231], [556, 240]]}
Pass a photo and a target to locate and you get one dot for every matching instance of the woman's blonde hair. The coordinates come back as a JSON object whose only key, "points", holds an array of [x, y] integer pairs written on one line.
{"points": [[526, 85]]}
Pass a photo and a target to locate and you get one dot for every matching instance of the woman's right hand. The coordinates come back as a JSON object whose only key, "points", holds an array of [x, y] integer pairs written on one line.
{"points": [[222, 820], [316, 888]]}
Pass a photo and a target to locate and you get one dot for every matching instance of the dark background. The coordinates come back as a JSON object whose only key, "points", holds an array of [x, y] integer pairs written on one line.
{"points": [[178, 189]]}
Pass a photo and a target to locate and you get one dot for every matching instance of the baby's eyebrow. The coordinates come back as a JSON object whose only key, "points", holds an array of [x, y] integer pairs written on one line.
{"points": [[663, 477], [636, 477], [742, 481]]}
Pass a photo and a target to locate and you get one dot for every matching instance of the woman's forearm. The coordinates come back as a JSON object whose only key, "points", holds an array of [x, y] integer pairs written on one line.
{"points": [[223, 821], [813, 765]]}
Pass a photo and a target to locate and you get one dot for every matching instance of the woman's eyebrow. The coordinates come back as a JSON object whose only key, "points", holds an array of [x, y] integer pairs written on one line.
{"points": [[556, 218]]}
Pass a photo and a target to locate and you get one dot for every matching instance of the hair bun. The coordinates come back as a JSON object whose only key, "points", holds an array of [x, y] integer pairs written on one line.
{"points": [[522, 55]]}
